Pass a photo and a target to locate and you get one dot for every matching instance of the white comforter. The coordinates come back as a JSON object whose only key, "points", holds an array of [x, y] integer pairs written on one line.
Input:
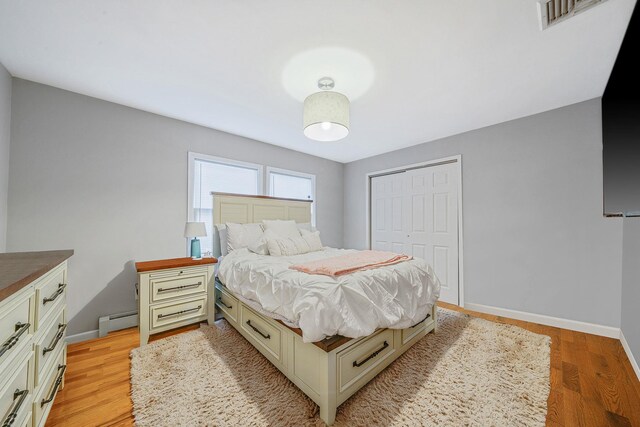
{"points": [[355, 305]]}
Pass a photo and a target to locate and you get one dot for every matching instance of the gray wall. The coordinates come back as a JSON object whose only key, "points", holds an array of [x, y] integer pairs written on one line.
{"points": [[631, 285], [111, 183], [5, 139], [535, 239]]}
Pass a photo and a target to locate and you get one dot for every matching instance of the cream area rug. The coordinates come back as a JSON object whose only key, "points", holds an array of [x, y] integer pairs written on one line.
{"points": [[472, 372]]}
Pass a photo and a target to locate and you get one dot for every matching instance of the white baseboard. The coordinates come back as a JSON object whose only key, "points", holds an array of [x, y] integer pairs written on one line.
{"points": [[574, 325], [83, 336], [627, 350]]}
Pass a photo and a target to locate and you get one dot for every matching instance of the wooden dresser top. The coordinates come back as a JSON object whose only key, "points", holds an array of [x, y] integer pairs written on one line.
{"points": [[163, 264], [18, 269]]}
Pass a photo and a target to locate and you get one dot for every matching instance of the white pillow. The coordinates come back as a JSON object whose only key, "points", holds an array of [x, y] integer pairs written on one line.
{"points": [[259, 247], [220, 240], [242, 235], [286, 246], [305, 226], [283, 228], [313, 239]]}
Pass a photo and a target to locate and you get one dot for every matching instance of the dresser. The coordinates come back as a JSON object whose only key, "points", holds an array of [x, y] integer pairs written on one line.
{"points": [[33, 321], [174, 292]]}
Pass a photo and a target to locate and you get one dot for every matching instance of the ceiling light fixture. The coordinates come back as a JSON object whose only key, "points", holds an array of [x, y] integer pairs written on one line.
{"points": [[326, 113]]}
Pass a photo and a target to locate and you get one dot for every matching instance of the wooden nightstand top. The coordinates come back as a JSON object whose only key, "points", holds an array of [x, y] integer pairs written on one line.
{"points": [[163, 264]]}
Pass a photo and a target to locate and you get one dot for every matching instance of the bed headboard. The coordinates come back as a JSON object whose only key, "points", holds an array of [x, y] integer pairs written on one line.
{"points": [[243, 209]]}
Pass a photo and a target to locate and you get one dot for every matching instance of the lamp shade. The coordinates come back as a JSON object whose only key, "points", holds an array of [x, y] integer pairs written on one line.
{"points": [[195, 229], [326, 116]]}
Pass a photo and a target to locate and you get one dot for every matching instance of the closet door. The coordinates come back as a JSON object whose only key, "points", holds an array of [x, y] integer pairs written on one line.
{"points": [[432, 226], [388, 213], [416, 213]]}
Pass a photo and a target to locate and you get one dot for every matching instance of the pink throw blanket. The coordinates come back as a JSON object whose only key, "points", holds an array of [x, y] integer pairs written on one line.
{"points": [[350, 263]]}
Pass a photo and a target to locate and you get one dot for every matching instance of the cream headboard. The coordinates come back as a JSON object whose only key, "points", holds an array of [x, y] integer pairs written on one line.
{"points": [[251, 209]]}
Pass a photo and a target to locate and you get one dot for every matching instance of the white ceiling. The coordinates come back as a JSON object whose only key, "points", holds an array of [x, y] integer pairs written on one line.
{"points": [[439, 67]]}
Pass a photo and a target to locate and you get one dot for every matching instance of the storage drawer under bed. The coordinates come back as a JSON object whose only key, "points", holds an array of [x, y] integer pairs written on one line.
{"points": [[267, 337], [357, 363], [227, 303]]}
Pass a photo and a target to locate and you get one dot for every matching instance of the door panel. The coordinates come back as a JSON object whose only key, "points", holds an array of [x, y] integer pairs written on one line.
{"points": [[416, 213]]}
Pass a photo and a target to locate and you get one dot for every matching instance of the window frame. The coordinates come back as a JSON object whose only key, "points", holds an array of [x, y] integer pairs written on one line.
{"points": [[281, 171], [193, 156]]}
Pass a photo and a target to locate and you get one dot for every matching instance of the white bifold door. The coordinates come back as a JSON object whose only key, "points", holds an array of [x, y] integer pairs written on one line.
{"points": [[415, 212]]}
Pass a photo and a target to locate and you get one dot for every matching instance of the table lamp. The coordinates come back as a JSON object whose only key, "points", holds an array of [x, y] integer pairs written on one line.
{"points": [[195, 230]]}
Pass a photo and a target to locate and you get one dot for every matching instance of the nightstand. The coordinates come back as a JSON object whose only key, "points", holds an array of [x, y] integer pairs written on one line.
{"points": [[174, 292]]}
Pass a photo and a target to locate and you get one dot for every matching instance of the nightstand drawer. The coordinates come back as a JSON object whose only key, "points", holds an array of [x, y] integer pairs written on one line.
{"points": [[177, 286], [179, 312]]}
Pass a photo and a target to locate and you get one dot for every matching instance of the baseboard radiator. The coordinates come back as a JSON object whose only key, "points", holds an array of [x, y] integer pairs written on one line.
{"points": [[115, 322]]}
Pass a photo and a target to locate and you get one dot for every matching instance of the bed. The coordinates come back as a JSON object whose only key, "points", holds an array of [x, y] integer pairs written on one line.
{"points": [[326, 365]]}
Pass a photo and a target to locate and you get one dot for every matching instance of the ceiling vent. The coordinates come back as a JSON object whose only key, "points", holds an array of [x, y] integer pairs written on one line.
{"points": [[555, 11]]}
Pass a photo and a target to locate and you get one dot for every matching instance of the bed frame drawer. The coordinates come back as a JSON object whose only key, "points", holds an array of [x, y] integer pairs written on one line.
{"points": [[357, 362], [410, 333], [227, 303], [163, 315], [259, 330]]}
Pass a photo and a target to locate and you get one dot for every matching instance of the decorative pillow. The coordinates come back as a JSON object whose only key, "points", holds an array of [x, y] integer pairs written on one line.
{"points": [[283, 228], [313, 239], [286, 246], [242, 235]]}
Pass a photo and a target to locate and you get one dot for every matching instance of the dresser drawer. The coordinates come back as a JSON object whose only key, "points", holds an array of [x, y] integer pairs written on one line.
{"points": [[227, 303], [268, 337], [48, 344], [48, 389], [15, 397], [163, 315], [48, 292], [354, 363], [177, 286], [15, 329]]}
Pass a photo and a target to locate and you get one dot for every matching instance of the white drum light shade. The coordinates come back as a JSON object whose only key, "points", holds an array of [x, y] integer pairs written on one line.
{"points": [[326, 116]]}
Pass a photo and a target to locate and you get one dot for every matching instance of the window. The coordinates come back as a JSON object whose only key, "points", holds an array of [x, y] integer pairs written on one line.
{"points": [[293, 185], [207, 174]]}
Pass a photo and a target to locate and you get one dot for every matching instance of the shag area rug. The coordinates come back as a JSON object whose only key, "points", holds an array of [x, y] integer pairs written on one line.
{"points": [[472, 372]]}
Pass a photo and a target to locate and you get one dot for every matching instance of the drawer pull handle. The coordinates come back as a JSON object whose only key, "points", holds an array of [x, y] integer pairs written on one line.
{"points": [[177, 288], [428, 315], [21, 328], [56, 339], [56, 294], [18, 399], [371, 356], [56, 385], [223, 303], [266, 337], [161, 316]]}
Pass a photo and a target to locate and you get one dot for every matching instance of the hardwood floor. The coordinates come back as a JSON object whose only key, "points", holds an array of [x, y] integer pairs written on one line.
{"points": [[592, 381]]}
